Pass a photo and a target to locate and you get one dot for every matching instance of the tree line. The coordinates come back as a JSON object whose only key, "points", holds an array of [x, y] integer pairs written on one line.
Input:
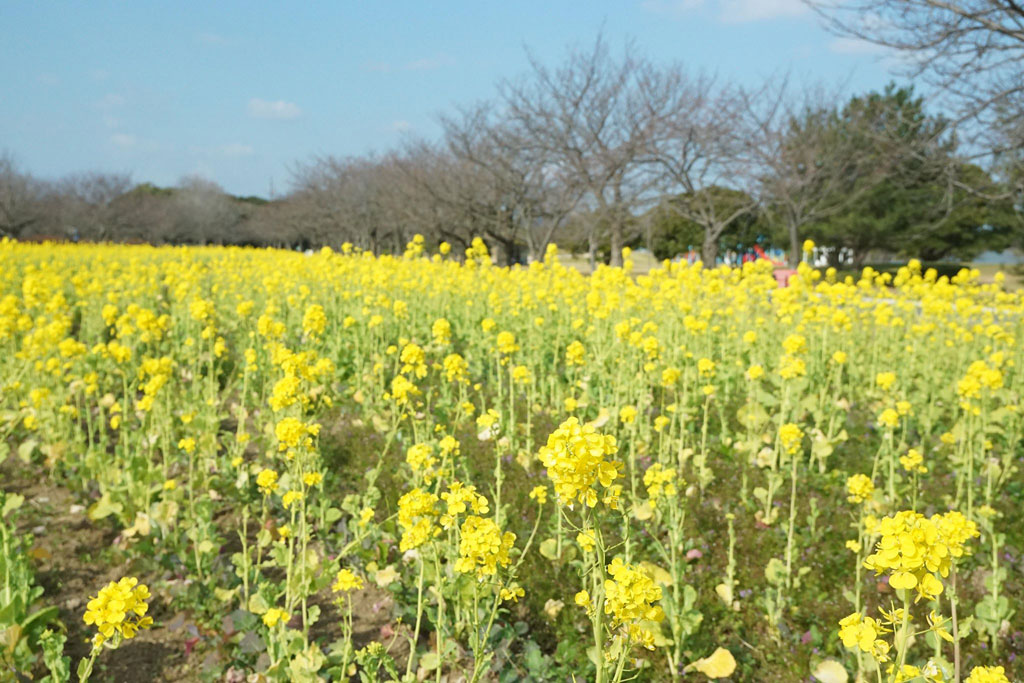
{"points": [[606, 149]]}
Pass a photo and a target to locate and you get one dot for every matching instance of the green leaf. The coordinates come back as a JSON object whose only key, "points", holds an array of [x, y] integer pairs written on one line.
{"points": [[549, 549], [279, 553], [689, 596], [238, 560], [104, 507], [257, 604], [534, 658], [26, 449], [83, 668], [12, 501], [312, 615], [39, 620], [10, 637], [830, 671], [775, 572], [965, 627], [821, 449]]}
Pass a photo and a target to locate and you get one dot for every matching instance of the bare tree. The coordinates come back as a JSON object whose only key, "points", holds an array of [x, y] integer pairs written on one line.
{"points": [[20, 199], [143, 214], [703, 155], [85, 206], [525, 196], [443, 199], [809, 166], [970, 49], [1006, 138], [371, 202], [330, 201], [585, 121], [203, 212]]}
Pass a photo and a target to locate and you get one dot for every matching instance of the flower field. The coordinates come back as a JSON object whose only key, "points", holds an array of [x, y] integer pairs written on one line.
{"points": [[233, 464]]}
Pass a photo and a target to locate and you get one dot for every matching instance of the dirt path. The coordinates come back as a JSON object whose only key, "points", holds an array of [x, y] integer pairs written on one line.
{"points": [[74, 557]]}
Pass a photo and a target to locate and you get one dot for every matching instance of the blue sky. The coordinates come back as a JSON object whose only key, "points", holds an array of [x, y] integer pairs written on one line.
{"points": [[239, 91]]}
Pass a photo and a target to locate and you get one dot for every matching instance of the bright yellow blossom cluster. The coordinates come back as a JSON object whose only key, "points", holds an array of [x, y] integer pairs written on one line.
{"points": [[860, 488], [457, 498], [293, 433], [441, 331], [630, 598], [119, 608], [483, 547], [413, 361], [979, 376], [858, 631], [790, 435], [416, 512], [575, 457], [575, 353], [420, 456], [660, 481], [314, 320], [915, 548], [913, 461], [346, 580], [987, 674], [274, 616], [266, 480]]}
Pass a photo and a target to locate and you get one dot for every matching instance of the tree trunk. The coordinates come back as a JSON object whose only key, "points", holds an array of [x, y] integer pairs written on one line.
{"points": [[795, 248], [833, 257], [592, 247], [615, 259], [709, 250], [499, 252], [532, 254]]}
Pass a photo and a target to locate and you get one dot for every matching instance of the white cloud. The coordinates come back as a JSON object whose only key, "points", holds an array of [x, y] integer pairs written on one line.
{"points": [[738, 11], [671, 7], [872, 25], [429, 63], [99, 74], [401, 126], [236, 150], [276, 109], [111, 101], [855, 46], [123, 140], [47, 78], [382, 67]]}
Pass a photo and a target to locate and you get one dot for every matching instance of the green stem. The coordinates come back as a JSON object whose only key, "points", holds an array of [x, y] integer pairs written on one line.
{"points": [[419, 619], [904, 632], [956, 629]]}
